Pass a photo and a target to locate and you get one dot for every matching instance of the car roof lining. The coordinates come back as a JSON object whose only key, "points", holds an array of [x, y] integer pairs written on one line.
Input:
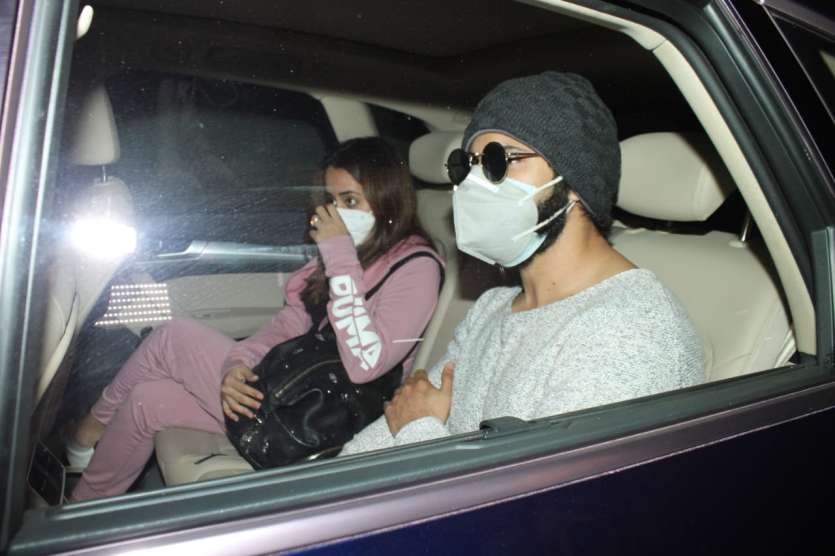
{"points": [[434, 29], [258, 53]]}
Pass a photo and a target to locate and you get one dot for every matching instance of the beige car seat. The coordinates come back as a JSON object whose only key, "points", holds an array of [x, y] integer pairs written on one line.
{"points": [[75, 278], [106, 202], [727, 285]]}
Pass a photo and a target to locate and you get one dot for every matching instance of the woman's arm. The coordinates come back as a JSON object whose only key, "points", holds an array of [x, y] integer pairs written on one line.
{"points": [[372, 342], [291, 320]]}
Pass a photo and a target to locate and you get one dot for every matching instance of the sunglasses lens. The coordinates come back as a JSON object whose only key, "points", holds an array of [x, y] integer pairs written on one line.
{"points": [[458, 165], [494, 162]]}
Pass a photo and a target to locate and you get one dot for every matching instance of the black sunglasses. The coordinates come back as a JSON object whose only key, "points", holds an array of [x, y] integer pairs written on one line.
{"points": [[494, 159]]}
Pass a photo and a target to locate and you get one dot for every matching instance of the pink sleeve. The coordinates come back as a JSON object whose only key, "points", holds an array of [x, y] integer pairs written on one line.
{"points": [[372, 342], [291, 321]]}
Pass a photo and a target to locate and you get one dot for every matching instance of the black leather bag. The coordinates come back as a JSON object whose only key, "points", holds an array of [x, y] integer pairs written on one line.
{"points": [[310, 407]]}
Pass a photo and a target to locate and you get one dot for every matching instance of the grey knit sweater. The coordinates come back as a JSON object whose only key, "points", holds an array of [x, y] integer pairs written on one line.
{"points": [[622, 338]]}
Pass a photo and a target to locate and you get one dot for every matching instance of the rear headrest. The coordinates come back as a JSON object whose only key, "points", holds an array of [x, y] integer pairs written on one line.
{"points": [[428, 154], [672, 176], [93, 139]]}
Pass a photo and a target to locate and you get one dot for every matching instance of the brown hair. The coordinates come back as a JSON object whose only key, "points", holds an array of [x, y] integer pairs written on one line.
{"points": [[387, 186]]}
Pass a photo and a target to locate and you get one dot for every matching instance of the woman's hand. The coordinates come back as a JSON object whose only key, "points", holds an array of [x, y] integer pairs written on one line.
{"points": [[236, 396], [419, 398], [326, 223]]}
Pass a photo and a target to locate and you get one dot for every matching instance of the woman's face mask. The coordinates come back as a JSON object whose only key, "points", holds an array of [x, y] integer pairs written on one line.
{"points": [[497, 223], [359, 223]]}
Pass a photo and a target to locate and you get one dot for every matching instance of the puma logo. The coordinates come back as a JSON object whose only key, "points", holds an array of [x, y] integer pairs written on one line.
{"points": [[349, 310]]}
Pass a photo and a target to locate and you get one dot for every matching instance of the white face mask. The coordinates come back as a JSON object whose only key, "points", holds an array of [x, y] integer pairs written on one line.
{"points": [[497, 222], [359, 223]]}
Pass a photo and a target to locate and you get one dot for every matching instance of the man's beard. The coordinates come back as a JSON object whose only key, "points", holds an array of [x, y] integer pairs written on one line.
{"points": [[552, 230]]}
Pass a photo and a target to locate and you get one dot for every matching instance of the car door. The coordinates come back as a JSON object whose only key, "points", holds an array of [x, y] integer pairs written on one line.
{"points": [[34, 56], [738, 465], [7, 459]]}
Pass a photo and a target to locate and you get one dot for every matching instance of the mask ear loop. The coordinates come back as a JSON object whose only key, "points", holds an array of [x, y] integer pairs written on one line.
{"points": [[551, 183], [566, 209]]}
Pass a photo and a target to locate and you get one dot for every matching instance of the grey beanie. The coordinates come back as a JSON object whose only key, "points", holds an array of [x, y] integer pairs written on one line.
{"points": [[560, 116]]}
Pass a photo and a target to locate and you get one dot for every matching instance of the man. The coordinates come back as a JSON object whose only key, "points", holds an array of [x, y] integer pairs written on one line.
{"points": [[537, 179]]}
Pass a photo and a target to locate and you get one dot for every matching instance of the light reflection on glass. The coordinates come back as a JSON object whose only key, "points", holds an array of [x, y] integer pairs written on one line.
{"points": [[103, 238]]}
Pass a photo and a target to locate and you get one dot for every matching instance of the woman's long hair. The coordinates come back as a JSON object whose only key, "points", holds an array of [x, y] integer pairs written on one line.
{"points": [[387, 185]]}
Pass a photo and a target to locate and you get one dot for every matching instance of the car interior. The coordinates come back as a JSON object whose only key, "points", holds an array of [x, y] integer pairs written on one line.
{"points": [[193, 133]]}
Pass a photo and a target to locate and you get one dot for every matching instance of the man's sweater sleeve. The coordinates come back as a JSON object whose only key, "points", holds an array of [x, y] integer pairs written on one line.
{"points": [[377, 435], [371, 342]]}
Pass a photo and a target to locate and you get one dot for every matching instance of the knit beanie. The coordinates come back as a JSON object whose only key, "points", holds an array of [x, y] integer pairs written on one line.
{"points": [[560, 116]]}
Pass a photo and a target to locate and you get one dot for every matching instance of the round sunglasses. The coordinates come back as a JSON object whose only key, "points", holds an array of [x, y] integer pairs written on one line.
{"points": [[494, 159]]}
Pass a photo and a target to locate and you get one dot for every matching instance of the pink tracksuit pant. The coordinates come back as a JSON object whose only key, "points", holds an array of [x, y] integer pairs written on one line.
{"points": [[171, 380]]}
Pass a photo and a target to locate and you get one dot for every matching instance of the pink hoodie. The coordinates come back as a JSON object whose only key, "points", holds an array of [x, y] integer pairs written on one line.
{"points": [[372, 336]]}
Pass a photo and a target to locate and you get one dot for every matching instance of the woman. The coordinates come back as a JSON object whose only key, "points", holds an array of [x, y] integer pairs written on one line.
{"points": [[187, 375]]}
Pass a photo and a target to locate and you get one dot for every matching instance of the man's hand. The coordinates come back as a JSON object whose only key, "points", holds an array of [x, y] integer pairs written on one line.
{"points": [[327, 223], [419, 398], [236, 396]]}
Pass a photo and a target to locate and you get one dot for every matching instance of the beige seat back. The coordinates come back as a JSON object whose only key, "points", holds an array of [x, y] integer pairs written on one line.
{"points": [[60, 321], [466, 277], [75, 278], [725, 284], [106, 202]]}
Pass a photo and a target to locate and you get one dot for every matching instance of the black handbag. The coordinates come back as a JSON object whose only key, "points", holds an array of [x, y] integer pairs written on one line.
{"points": [[310, 407]]}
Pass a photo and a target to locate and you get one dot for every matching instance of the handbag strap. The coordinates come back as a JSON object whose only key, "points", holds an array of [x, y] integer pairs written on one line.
{"points": [[319, 313], [394, 268], [400, 263]]}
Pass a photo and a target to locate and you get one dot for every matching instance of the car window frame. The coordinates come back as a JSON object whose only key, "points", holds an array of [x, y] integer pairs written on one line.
{"points": [[808, 43], [794, 105], [31, 125], [7, 19], [744, 404]]}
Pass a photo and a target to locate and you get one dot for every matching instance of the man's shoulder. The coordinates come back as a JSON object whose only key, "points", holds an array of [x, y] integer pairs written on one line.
{"points": [[635, 291], [641, 315], [488, 305], [493, 298], [637, 302]]}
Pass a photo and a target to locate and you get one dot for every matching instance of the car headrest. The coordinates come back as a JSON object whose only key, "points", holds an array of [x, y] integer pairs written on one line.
{"points": [[428, 154], [93, 138], [672, 176]]}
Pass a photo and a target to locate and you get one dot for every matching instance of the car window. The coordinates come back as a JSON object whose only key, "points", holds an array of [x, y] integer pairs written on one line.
{"points": [[816, 54], [829, 60], [399, 128], [217, 157], [212, 164], [6, 21], [214, 174]]}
